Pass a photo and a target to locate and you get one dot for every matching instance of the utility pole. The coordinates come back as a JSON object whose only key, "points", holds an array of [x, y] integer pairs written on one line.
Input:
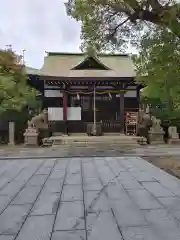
{"points": [[23, 56]]}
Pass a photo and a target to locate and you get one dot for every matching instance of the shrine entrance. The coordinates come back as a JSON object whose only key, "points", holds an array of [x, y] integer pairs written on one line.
{"points": [[106, 108], [84, 90]]}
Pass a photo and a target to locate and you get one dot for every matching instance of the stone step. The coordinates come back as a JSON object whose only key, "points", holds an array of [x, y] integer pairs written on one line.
{"points": [[99, 141], [112, 134], [96, 146], [92, 143]]}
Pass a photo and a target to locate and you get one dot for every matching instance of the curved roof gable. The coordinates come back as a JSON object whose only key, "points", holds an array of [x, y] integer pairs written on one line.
{"points": [[91, 62]]}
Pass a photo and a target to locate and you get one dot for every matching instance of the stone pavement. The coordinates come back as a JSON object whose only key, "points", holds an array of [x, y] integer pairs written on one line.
{"points": [[117, 198], [89, 150]]}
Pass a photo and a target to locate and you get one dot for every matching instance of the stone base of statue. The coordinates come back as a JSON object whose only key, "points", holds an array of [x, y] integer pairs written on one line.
{"points": [[173, 141], [31, 137], [156, 137], [173, 135], [156, 133]]}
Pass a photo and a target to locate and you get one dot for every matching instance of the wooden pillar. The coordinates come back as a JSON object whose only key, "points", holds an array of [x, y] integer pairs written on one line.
{"points": [[65, 107], [122, 111]]}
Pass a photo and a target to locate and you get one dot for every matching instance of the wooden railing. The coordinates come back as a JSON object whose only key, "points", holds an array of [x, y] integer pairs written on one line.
{"points": [[109, 126], [67, 126], [76, 127]]}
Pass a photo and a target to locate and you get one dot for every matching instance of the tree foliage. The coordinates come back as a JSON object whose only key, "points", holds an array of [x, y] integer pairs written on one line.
{"points": [[108, 23], [157, 66], [152, 25], [14, 91]]}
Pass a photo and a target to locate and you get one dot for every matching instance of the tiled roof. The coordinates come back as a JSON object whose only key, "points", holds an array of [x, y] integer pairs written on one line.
{"points": [[30, 70], [61, 64]]}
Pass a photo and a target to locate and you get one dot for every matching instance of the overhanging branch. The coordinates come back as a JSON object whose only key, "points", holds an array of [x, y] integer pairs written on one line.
{"points": [[114, 30]]}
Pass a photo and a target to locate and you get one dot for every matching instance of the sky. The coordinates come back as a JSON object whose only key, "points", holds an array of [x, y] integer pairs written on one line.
{"points": [[37, 26]]}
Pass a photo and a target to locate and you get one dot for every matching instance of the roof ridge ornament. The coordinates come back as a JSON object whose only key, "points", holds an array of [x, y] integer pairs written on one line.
{"points": [[91, 61], [91, 52]]}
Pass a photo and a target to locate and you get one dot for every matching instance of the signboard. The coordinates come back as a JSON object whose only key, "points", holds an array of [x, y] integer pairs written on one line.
{"points": [[131, 123], [52, 93], [131, 117], [74, 113], [55, 114]]}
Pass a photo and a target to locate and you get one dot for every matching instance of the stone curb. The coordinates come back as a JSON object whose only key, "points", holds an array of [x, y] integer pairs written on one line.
{"points": [[28, 157], [78, 156], [60, 157]]}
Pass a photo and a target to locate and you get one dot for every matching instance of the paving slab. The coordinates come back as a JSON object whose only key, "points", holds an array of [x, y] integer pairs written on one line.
{"points": [[92, 184], [132, 216], [102, 226], [37, 227], [140, 233], [162, 222], [12, 188], [157, 189], [172, 203], [144, 199], [27, 195], [72, 193], [95, 198], [4, 200], [46, 204], [70, 217], [69, 235], [73, 179], [96, 201], [6, 237], [37, 180], [53, 186], [12, 218]]}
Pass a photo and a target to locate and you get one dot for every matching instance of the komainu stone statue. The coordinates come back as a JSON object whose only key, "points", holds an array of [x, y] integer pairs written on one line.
{"points": [[144, 122], [156, 133], [144, 119], [40, 121], [36, 124]]}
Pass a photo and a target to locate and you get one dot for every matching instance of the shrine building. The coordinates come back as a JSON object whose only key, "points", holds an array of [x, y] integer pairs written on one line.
{"points": [[78, 89]]}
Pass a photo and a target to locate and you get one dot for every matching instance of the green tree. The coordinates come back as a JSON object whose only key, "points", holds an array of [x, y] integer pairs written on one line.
{"points": [[152, 25], [110, 23], [157, 66], [15, 94]]}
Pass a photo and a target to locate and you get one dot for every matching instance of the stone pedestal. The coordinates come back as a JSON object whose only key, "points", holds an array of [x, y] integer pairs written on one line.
{"points": [[156, 133], [173, 135], [11, 133], [90, 128], [156, 137], [31, 137]]}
